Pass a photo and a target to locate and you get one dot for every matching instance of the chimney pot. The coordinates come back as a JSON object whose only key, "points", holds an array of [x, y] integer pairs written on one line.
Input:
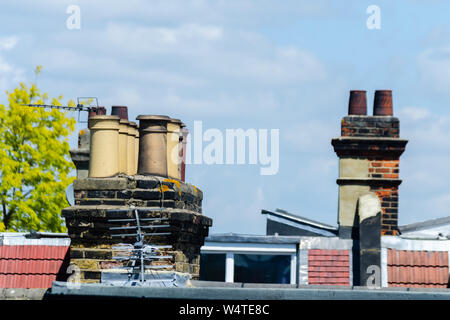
{"points": [[121, 111], [357, 104], [382, 105], [104, 161], [100, 111], [153, 145]]}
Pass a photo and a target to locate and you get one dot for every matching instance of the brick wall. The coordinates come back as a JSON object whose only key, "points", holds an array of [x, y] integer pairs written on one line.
{"points": [[389, 206], [367, 126], [142, 191], [328, 267], [165, 201], [374, 139], [384, 168]]}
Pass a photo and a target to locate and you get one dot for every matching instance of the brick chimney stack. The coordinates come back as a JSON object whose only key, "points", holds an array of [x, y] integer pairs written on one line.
{"points": [[113, 197], [369, 149]]}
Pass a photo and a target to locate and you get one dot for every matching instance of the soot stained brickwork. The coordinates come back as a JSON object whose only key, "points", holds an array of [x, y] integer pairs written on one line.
{"points": [[176, 203], [370, 126]]}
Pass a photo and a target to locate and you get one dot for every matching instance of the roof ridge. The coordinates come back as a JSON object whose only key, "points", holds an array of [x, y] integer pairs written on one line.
{"points": [[298, 218]]}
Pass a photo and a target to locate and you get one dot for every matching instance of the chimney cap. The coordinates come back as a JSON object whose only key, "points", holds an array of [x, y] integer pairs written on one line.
{"points": [[153, 117], [104, 116], [177, 121]]}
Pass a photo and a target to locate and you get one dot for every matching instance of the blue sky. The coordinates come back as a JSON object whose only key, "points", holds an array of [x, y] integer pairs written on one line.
{"points": [[254, 64]]}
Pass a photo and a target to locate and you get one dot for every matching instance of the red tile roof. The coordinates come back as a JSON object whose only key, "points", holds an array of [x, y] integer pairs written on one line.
{"points": [[328, 267], [31, 266], [417, 268]]}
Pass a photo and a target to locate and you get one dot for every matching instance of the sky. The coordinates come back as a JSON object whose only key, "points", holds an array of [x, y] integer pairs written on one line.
{"points": [[253, 64]]}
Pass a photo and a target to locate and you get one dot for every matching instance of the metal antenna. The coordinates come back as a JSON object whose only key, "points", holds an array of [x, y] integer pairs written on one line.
{"points": [[80, 106], [140, 251]]}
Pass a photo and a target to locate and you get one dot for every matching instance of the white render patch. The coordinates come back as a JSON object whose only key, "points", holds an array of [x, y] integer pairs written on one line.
{"points": [[266, 248], [325, 243], [303, 268], [384, 268], [368, 206], [398, 243], [19, 239]]}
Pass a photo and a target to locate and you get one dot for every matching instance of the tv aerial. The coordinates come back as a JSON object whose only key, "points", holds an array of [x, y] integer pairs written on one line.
{"points": [[140, 256], [88, 104]]}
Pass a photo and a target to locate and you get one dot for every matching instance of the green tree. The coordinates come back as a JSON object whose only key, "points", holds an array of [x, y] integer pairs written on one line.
{"points": [[34, 161]]}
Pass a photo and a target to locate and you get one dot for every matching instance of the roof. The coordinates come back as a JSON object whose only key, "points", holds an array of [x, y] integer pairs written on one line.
{"points": [[417, 268], [249, 238], [429, 229], [301, 223], [32, 260]]}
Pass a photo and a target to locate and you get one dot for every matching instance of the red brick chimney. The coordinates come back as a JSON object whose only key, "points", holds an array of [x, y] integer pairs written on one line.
{"points": [[369, 150]]}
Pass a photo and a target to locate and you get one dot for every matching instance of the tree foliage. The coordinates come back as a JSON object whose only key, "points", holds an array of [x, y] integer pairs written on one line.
{"points": [[34, 161]]}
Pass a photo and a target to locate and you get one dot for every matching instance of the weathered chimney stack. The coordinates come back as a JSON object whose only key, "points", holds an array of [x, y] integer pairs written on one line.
{"points": [[369, 149], [135, 172]]}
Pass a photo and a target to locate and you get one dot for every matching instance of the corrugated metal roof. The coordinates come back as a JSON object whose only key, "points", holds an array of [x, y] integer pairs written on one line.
{"points": [[417, 268], [328, 267]]}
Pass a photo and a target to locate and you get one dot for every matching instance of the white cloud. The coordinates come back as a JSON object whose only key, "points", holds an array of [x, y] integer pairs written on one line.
{"points": [[159, 39], [10, 75], [8, 43], [426, 130], [434, 68], [424, 165], [195, 68], [309, 136], [413, 113]]}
